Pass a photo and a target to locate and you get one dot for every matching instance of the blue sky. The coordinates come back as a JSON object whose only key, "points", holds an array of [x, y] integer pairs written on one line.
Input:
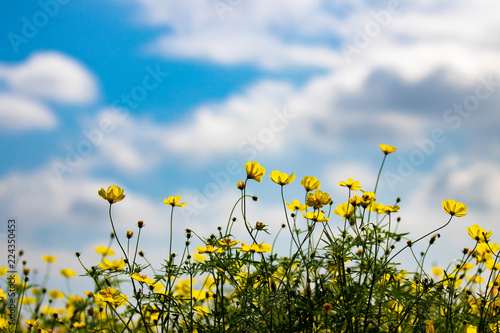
{"points": [[163, 97]]}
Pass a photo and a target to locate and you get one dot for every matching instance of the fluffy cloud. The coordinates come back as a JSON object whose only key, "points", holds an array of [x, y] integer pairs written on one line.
{"points": [[52, 76], [18, 113]]}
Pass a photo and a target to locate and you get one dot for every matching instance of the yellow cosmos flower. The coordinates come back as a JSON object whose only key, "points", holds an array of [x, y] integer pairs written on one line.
{"points": [[4, 324], [254, 171], [28, 300], [367, 198], [350, 183], [56, 294], [436, 271], [261, 247], [310, 183], [355, 200], [142, 278], [174, 201], [492, 265], [465, 267], [453, 208], [318, 199], [208, 249], [113, 194], [295, 205], [386, 149], [49, 258], [387, 209], [376, 207], [479, 234], [111, 296], [31, 323], [3, 271], [471, 329], [282, 178], [241, 185], [451, 280], [104, 251], [114, 265], [475, 279], [198, 257], [345, 210], [68, 272], [318, 216], [227, 242]]}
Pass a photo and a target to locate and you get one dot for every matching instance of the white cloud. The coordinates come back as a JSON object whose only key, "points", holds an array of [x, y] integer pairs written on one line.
{"points": [[17, 113], [52, 76], [237, 47]]}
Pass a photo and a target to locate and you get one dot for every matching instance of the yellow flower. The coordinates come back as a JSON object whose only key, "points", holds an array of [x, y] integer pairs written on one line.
{"points": [[4, 324], [367, 198], [174, 201], [310, 183], [28, 300], [437, 271], [254, 171], [295, 205], [201, 310], [386, 149], [111, 296], [3, 270], [208, 249], [49, 258], [318, 216], [261, 247], [79, 324], [68, 272], [198, 257], [318, 199], [479, 234], [113, 194], [103, 250], [451, 280], [227, 242], [387, 209], [475, 279], [281, 178], [56, 294], [453, 208], [492, 265], [142, 278], [355, 200], [241, 185], [31, 323], [114, 265], [471, 329], [345, 210], [350, 183]]}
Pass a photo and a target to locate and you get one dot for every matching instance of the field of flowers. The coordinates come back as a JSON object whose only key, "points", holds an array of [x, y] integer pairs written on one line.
{"points": [[341, 274]]}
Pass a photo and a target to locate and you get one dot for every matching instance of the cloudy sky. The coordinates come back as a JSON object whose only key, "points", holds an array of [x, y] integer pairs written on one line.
{"points": [[166, 97]]}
